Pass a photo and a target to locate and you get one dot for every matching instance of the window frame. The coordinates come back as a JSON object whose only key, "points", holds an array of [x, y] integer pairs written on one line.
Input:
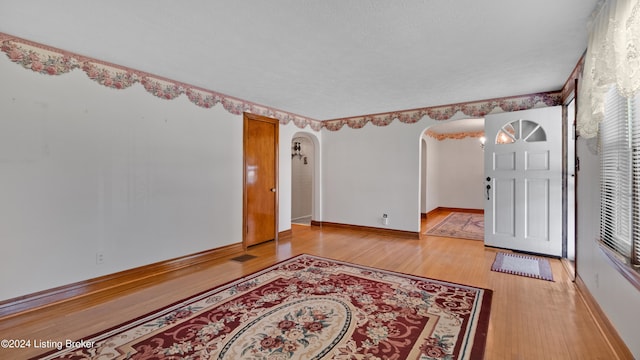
{"points": [[620, 144]]}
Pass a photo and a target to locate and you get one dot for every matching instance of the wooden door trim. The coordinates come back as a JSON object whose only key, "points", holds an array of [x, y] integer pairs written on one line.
{"points": [[245, 143]]}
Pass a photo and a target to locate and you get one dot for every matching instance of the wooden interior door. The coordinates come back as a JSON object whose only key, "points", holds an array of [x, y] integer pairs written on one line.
{"points": [[260, 179]]}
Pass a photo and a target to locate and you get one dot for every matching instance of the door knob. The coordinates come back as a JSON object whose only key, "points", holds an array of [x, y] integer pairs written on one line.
{"points": [[273, 189]]}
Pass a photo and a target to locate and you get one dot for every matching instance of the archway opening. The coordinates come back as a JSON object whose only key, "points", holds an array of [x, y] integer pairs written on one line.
{"points": [[451, 168], [303, 172]]}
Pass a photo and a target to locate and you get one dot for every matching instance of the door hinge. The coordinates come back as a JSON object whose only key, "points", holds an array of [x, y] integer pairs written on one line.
{"points": [[577, 164]]}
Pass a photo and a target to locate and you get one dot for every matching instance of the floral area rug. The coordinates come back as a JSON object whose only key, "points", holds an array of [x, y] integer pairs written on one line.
{"points": [[460, 225], [308, 307], [523, 265]]}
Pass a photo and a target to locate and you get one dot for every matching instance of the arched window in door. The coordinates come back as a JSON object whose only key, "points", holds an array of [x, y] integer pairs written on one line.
{"points": [[524, 130]]}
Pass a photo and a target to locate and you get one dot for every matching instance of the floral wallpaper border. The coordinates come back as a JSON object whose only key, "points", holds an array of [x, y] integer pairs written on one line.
{"points": [[475, 109], [454, 136], [51, 61]]}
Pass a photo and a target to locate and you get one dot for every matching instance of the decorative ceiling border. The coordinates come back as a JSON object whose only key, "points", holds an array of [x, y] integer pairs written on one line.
{"points": [[445, 112], [454, 136], [51, 61]]}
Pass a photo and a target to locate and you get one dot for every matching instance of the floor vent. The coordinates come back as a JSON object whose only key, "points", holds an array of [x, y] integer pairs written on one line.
{"points": [[243, 258]]}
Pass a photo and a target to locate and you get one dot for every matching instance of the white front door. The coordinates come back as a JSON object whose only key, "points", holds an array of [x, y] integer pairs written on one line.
{"points": [[523, 180]]}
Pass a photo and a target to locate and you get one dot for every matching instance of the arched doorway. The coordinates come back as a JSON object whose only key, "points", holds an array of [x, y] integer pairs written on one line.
{"points": [[451, 167], [303, 170]]}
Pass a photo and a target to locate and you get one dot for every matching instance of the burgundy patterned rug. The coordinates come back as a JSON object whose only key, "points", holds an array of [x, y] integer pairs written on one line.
{"points": [[308, 307], [460, 225]]}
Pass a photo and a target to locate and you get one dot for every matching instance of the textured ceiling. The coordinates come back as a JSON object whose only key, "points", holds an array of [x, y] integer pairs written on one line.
{"points": [[324, 59]]}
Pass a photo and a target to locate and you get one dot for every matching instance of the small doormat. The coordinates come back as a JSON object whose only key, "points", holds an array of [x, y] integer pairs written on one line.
{"points": [[523, 265], [460, 225], [243, 258]]}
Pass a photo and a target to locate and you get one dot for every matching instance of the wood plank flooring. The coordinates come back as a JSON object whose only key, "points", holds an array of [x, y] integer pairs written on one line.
{"points": [[530, 318]]}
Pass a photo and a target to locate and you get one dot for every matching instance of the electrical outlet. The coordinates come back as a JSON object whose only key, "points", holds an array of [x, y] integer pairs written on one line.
{"points": [[99, 257], [385, 219]]}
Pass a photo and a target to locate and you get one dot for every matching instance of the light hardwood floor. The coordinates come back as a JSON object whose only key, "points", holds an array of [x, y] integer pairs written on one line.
{"points": [[530, 318]]}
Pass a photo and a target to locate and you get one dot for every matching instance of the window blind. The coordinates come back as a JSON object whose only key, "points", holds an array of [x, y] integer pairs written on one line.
{"points": [[634, 115], [620, 176]]}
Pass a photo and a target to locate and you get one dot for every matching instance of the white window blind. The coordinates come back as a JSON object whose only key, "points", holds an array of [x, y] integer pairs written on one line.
{"points": [[620, 176], [634, 116]]}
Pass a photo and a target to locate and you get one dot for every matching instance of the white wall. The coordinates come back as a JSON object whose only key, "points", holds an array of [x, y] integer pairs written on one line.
{"points": [[375, 170], [433, 180], [371, 171], [423, 175], [87, 169], [455, 173], [615, 295]]}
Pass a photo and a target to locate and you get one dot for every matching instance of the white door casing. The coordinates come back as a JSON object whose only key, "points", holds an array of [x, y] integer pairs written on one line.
{"points": [[523, 173]]}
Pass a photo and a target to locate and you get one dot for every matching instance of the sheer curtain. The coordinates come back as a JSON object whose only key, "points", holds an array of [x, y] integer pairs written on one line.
{"points": [[613, 58]]}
